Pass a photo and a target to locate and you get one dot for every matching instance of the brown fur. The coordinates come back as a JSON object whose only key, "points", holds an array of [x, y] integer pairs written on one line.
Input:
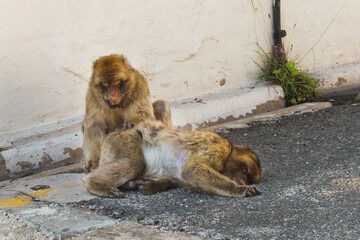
{"points": [[117, 97], [198, 159]]}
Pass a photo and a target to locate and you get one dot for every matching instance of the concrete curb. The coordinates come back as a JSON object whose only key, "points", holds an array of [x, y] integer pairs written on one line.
{"points": [[241, 123], [298, 109], [337, 80], [15, 228], [60, 144]]}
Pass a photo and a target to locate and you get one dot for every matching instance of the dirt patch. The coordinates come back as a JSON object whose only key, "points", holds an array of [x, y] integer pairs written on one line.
{"points": [[352, 184]]}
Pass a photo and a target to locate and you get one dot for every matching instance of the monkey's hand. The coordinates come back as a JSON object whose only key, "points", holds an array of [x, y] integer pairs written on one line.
{"points": [[128, 125], [88, 166], [251, 191], [114, 193], [133, 185], [137, 118]]}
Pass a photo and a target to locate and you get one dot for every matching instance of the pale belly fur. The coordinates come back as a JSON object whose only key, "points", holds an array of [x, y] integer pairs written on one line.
{"points": [[165, 161]]}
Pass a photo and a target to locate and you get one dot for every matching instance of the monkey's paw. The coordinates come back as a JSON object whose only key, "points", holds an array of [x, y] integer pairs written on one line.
{"points": [[88, 166], [133, 185], [251, 191], [149, 187], [153, 186], [114, 193]]}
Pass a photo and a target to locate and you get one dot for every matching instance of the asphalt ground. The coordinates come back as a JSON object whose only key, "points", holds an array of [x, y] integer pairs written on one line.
{"points": [[310, 186]]}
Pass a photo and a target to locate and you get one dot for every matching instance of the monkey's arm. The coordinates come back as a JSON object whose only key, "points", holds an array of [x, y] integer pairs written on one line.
{"points": [[139, 111], [94, 134], [159, 110], [138, 118], [202, 176]]}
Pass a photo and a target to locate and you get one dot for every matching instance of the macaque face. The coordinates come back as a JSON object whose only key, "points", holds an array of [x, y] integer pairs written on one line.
{"points": [[113, 92], [243, 166], [113, 80], [240, 175]]}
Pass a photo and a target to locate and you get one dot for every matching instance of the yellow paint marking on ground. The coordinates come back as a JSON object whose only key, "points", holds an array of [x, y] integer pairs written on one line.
{"points": [[63, 194], [41, 192], [72, 186], [15, 201]]}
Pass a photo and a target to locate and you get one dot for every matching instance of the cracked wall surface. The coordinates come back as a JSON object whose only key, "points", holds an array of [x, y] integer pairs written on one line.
{"points": [[321, 33], [184, 48]]}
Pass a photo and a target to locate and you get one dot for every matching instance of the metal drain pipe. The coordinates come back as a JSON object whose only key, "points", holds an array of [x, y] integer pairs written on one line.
{"points": [[279, 51]]}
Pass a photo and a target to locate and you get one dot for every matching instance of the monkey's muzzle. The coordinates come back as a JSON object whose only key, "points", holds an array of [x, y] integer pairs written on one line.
{"points": [[113, 106]]}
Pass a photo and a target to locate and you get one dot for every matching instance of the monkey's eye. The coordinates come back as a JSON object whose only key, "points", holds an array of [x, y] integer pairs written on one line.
{"points": [[121, 84], [102, 87]]}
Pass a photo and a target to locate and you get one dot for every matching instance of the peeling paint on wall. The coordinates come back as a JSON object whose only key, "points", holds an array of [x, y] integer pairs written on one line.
{"points": [[26, 165], [45, 160], [262, 108], [3, 169], [267, 107], [75, 155], [340, 81]]}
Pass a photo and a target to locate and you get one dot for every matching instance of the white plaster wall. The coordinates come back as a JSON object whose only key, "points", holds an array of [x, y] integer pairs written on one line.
{"points": [[183, 47], [322, 32]]}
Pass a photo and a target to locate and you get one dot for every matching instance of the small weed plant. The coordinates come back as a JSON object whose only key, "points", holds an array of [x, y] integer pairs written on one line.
{"points": [[298, 86]]}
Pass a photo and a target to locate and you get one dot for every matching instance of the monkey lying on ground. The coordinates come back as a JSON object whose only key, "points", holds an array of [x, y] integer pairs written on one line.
{"points": [[117, 97], [169, 156]]}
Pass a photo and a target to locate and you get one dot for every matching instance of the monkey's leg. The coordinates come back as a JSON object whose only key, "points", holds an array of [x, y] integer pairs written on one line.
{"points": [[162, 112], [206, 178], [105, 180], [153, 186]]}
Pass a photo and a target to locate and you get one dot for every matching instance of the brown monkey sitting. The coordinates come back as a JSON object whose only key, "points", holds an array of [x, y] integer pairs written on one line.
{"points": [[117, 97], [199, 159]]}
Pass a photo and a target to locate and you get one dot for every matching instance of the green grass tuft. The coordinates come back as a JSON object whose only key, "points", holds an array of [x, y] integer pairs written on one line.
{"points": [[298, 86]]}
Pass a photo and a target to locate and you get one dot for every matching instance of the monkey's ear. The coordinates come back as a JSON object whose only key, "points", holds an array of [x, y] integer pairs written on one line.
{"points": [[242, 147], [124, 59], [125, 62]]}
